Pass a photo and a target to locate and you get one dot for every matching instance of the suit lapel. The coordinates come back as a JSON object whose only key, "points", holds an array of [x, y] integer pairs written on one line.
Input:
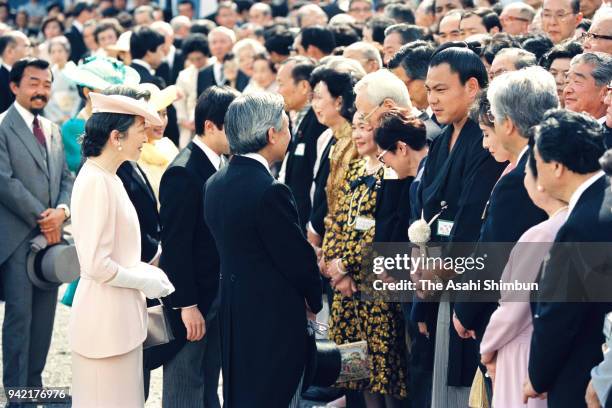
{"points": [[142, 181], [26, 136], [202, 163]]}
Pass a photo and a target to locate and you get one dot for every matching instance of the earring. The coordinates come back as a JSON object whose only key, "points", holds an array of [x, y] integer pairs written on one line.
{"points": [[120, 148], [540, 188]]}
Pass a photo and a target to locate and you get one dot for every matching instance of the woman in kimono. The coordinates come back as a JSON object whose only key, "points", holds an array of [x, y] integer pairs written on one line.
{"points": [[457, 181], [507, 339], [108, 323]]}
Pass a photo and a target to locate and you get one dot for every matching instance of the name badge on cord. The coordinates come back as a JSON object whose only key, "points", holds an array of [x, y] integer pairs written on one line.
{"points": [[445, 227], [299, 149], [364, 223]]}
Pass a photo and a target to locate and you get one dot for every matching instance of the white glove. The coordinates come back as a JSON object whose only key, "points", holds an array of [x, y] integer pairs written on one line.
{"points": [[151, 280]]}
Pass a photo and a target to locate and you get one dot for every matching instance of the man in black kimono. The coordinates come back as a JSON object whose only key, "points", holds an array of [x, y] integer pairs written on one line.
{"points": [[457, 181], [269, 276]]}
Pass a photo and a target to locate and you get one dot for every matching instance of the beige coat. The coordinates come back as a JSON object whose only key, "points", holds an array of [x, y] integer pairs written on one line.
{"points": [[187, 82], [105, 320]]}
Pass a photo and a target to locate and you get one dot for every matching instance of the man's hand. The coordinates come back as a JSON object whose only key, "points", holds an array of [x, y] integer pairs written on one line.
{"points": [[529, 392], [590, 397], [423, 329], [462, 331], [194, 323], [314, 239], [51, 219], [489, 360]]}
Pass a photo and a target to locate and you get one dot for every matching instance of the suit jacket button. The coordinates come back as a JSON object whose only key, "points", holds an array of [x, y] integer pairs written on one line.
{"points": [[233, 278], [220, 276]]}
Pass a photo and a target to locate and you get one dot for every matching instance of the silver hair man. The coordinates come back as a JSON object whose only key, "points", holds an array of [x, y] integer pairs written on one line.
{"points": [[601, 63], [364, 53], [250, 117], [382, 84], [523, 96]]}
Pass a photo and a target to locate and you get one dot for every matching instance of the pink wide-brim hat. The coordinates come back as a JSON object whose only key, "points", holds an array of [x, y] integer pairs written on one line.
{"points": [[126, 105]]}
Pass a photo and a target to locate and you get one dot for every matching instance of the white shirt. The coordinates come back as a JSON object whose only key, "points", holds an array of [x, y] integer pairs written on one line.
{"points": [[78, 26], [8, 67], [601, 121], [218, 71], [583, 187], [520, 156], [144, 64], [170, 57], [28, 118], [258, 157], [214, 158]]}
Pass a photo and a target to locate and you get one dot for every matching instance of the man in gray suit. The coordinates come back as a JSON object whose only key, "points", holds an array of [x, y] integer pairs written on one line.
{"points": [[35, 187]]}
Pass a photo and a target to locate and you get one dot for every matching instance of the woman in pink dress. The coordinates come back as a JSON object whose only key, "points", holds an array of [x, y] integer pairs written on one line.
{"points": [[505, 345]]}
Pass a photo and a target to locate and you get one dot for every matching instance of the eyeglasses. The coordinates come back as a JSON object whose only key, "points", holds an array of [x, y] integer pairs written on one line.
{"points": [[366, 117], [360, 10], [561, 16], [380, 157], [592, 36]]}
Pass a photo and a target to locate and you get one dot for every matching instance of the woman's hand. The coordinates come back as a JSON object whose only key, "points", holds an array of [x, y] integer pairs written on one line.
{"points": [[489, 360], [346, 286]]}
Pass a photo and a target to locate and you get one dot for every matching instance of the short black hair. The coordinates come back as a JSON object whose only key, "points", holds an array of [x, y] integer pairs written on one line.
{"points": [[401, 13], [378, 25], [195, 43], [6, 40], [181, 2], [212, 105], [496, 43], [345, 34], [408, 32], [414, 58], [302, 68], [461, 60], [467, 4], [320, 37], [202, 26], [488, 17], [80, 7], [538, 45], [573, 139], [399, 126], [49, 20], [144, 39], [16, 74], [566, 49], [575, 4], [531, 162], [279, 41], [339, 84], [107, 24], [606, 162], [100, 125]]}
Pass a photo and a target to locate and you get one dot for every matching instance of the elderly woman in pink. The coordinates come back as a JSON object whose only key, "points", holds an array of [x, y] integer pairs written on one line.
{"points": [[505, 345]]}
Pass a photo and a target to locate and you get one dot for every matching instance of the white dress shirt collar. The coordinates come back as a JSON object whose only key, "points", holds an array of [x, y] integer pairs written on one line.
{"points": [[170, 57], [522, 153], [258, 157], [144, 64], [26, 115], [214, 158], [581, 189], [78, 26], [8, 67]]}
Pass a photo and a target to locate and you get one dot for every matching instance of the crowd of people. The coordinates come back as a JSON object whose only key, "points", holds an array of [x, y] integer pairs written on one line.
{"points": [[237, 168]]}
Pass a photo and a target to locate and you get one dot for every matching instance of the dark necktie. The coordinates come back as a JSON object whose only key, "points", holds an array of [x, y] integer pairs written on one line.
{"points": [[38, 132]]}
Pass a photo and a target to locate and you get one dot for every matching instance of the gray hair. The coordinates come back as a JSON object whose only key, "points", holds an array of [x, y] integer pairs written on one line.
{"points": [[179, 22], [524, 9], [61, 40], [381, 85], [369, 51], [602, 13], [523, 96], [601, 63], [521, 58], [343, 64], [248, 119]]}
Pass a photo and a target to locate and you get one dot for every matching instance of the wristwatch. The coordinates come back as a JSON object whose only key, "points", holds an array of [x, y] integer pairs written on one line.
{"points": [[66, 210]]}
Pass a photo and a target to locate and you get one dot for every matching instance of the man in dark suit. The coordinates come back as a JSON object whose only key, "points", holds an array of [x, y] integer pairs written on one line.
{"points": [[269, 275], [190, 257], [220, 40], [568, 315], [14, 46], [298, 168], [82, 12], [173, 61], [147, 49], [35, 188]]}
